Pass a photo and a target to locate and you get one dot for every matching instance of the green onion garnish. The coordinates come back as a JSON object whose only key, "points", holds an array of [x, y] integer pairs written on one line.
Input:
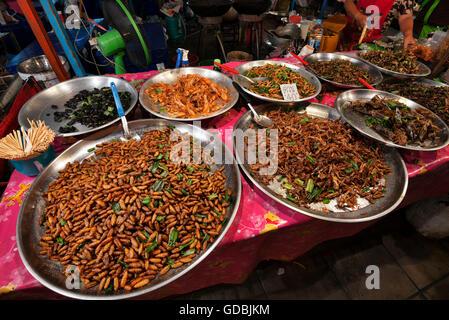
{"points": [[189, 252], [173, 237], [288, 186], [291, 198], [309, 186], [354, 165], [158, 185], [312, 160], [152, 245]]}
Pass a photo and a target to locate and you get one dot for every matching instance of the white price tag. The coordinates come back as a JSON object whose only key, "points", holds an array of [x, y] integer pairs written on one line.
{"points": [[290, 92]]}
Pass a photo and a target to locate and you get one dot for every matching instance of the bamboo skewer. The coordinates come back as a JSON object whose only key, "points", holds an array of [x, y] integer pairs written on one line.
{"points": [[26, 144], [363, 34]]}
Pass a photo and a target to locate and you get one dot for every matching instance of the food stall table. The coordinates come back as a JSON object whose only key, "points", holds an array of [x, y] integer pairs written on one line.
{"points": [[263, 229]]}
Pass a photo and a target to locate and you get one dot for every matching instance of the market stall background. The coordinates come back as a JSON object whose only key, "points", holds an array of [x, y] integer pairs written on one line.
{"points": [[262, 230]]}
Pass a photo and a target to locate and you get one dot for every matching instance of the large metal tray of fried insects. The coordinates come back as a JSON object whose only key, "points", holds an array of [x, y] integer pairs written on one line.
{"points": [[310, 77], [29, 231], [171, 76], [357, 121], [424, 70], [396, 183], [324, 56]]}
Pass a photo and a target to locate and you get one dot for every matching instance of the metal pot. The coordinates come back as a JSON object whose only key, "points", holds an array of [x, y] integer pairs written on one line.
{"points": [[39, 67], [210, 8], [252, 7]]}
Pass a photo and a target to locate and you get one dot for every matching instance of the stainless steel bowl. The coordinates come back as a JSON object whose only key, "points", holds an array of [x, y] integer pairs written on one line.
{"points": [[290, 31], [323, 56], [39, 64], [171, 76], [357, 120], [423, 69], [39, 106], [29, 230], [396, 182], [40, 68], [299, 70]]}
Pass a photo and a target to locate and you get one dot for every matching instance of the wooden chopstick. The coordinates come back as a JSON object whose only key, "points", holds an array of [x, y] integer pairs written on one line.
{"points": [[362, 35]]}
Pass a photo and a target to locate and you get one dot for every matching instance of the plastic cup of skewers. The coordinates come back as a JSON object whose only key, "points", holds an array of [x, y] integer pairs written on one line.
{"points": [[29, 151], [35, 164]]}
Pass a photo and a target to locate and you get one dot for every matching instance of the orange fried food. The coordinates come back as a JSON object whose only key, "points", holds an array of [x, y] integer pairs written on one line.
{"points": [[191, 96]]}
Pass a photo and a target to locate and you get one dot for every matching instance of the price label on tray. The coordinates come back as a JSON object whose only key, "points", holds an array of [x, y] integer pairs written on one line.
{"points": [[290, 92]]}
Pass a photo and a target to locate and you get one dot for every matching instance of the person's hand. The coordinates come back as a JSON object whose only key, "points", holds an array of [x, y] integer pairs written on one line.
{"points": [[408, 41], [360, 20]]}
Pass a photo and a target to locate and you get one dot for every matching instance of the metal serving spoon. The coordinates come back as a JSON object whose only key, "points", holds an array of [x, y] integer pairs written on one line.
{"points": [[263, 121], [121, 113]]}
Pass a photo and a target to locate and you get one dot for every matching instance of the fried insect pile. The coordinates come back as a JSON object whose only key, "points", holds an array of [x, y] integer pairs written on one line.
{"points": [[129, 213]]}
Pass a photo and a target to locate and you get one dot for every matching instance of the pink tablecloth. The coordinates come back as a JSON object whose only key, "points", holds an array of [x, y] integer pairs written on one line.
{"points": [[263, 229]]}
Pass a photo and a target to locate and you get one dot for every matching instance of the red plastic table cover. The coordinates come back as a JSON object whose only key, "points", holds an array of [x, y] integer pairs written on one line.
{"points": [[263, 229]]}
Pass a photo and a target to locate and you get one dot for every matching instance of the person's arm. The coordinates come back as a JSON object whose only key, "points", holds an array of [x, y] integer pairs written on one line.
{"points": [[355, 13], [406, 25]]}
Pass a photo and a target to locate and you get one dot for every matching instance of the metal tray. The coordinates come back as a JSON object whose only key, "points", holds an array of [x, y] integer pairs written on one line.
{"points": [[29, 231], [357, 120], [170, 76], [430, 83], [39, 105], [299, 70], [422, 81], [423, 69], [323, 56], [396, 182]]}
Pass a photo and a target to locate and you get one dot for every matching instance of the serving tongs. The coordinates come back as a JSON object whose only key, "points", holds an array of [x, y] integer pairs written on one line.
{"points": [[366, 84], [235, 72], [121, 113], [304, 62]]}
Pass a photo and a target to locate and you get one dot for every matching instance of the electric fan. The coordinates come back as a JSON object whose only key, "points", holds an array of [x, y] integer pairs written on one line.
{"points": [[125, 37]]}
